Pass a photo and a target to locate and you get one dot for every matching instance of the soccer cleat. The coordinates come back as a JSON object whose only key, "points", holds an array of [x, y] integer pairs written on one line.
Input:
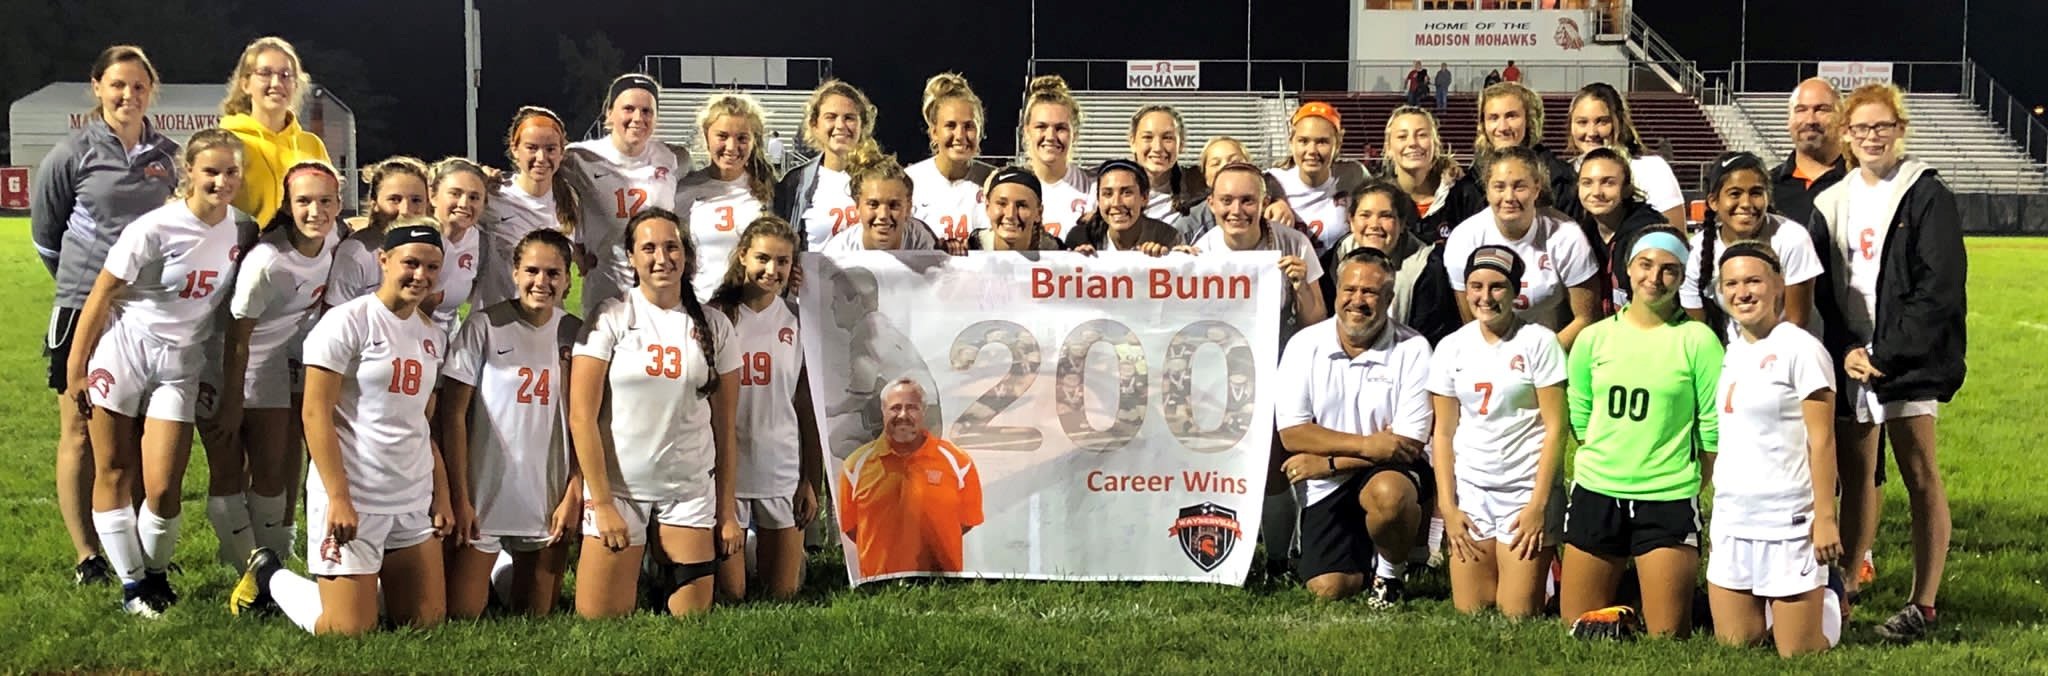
{"points": [[1386, 592], [1620, 623], [252, 591], [1906, 626], [1866, 573], [93, 570], [132, 601]]}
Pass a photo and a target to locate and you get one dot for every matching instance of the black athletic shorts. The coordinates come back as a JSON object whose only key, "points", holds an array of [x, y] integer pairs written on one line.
{"points": [[1609, 526], [1332, 532], [57, 344]]}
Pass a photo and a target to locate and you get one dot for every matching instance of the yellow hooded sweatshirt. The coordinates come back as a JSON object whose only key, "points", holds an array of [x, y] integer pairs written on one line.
{"points": [[265, 157]]}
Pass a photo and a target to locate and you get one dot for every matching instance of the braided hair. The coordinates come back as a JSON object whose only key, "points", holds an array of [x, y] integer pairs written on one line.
{"points": [[690, 304], [1717, 178]]}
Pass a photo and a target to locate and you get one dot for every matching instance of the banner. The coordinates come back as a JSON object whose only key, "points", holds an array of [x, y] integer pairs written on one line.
{"points": [[1162, 75], [1847, 75], [1066, 417]]}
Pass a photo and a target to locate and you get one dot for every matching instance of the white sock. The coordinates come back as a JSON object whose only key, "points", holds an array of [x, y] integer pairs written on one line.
{"points": [[117, 537], [159, 538], [229, 515], [501, 578], [298, 597], [1385, 568], [267, 515]]}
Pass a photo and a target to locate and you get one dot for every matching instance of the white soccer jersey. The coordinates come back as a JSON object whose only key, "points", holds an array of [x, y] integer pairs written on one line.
{"points": [[281, 289], [354, 272], [179, 269], [661, 427], [1653, 176], [1159, 206], [1555, 257], [1066, 200], [1287, 241], [714, 214], [1499, 440], [831, 210], [518, 435], [1380, 389], [388, 367], [1870, 223], [767, 425], [1319, 210], [509, 216], [1795, 254], [916, 236], [953, 209], [610, 189], [1763, 485], [459, 270]]}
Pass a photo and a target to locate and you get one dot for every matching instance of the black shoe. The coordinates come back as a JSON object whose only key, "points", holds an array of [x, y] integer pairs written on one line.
{"points": [[148, 597], [93, 570], [252, 592], [1386, 592], [1906, 626], [159, 582]]}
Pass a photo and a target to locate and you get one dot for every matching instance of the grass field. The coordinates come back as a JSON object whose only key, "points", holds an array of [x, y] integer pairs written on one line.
{"points": [[1992, 610]]}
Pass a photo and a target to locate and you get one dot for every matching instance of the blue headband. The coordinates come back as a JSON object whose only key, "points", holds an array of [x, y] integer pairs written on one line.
{"points": [[1658, 240]]}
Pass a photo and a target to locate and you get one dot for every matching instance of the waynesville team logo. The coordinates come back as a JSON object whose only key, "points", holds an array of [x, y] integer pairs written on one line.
{"points": [[1207, 532]]}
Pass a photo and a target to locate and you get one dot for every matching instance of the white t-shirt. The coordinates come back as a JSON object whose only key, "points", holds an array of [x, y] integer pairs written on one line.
{"points": [[1791, 242], [518, 434], [1499, 440], [1319, 210], [916, 237], [1159, 206], [281, 289], [831, 209], [769, 455], [179, 269], [1763, 484], [953, 209], [1066, 200], [1287, 241], [661, 427], [509, 216], [388, 367], [1555, 257], [1870, 221], [355, 272], [1659, 184], [1383, 388], [610, 189], [714, 213], [459, 260]]}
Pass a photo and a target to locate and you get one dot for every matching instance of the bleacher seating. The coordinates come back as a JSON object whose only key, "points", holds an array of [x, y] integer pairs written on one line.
{"points": [[1671, 124], [677, 120], [1972, 154], [1258, 120]]}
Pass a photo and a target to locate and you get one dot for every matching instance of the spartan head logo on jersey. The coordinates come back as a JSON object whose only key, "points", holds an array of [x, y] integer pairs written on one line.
{"points": [[428, 346], [1768, 360], [466, 261], [319, 292], [157, 170], [1207, 533], [660, 173], [100, 381], [235, 252], [1516, 363], [786, 335]]}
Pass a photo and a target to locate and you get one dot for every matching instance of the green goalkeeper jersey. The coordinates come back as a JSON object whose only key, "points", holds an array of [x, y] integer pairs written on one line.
{"points": [[1643, 406]]}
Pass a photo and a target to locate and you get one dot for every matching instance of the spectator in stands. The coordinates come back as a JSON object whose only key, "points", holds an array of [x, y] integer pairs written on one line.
{"points": [[1492, 77], [776, 151], [1511, 116], [1383, 217], [1816, 161], [1417, 84], [1894, 313], [1511, 73], [1157, 134], [1615, 212], [1218, 153], [1443, 87], [815, 197], [1600, 118], [1414, 158]]}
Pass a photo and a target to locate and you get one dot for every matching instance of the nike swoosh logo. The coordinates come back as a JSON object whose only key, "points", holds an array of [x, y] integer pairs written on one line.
{"points": [[241, 530], [505, 351], [376, 343], [598, 174]]}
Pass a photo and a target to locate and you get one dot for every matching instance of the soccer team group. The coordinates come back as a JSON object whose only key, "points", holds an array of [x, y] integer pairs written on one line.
{"points": [[1447, 325]]}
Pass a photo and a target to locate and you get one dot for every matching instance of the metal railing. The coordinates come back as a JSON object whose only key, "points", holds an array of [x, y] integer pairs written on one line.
{"points": [[2011, 115], [1380, 75], [796, 72], [1658, 51], [1912, 76]]}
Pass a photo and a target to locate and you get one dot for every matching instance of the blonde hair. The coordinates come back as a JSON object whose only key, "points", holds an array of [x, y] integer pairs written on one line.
{"points": [[760, 175], [210, 138], [946, 87], [1879, 93], [450, 166], [1442, 153], [867, 165], [1532, 109], [238, 102], [837, 87], [1050, 89]]}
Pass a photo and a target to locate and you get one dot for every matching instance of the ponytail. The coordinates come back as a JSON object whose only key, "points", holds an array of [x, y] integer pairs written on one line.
{"points": [[704, 341], [1717, 318]]}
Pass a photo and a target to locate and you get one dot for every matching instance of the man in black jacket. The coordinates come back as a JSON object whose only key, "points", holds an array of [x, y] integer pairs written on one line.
{"points": [[1816, 159]]}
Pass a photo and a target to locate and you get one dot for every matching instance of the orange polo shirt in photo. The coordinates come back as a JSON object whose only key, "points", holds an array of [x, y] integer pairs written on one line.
{"points": [[909, 512]]}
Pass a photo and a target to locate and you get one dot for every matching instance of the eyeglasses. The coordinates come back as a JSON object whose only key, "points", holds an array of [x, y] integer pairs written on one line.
{"points": [[285, 75], [1878, 129]]}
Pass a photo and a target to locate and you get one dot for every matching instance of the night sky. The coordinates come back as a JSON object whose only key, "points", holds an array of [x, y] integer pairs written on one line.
{"points": [[412, 51]]}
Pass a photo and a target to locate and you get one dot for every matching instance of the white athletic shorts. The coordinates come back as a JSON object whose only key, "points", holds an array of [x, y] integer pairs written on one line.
{"points": [[1493, 512], [1766, 568], [130, 367], [376, 534], [766, 513], [693, 513], [1870, 411], [517, 544], [269, 383]]}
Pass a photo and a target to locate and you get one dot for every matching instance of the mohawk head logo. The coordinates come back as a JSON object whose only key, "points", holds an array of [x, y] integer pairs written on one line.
{"points": [[1568, 34], [466, 261], [1207, 533], [786, 335], [100, 381]]}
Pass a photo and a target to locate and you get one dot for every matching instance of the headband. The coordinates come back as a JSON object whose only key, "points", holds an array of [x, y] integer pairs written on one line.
{"points": [[316, 166], [411, 234], [1317, 109], [1144, 181], [1658, 240], [632, 81], [541, 118], [1499, 259], [1754, 250], [1018, 176]]}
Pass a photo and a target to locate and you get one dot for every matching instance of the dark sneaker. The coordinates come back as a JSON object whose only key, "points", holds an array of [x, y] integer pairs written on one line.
{"points": [[142, 599], [252, 591], [1906, 626], [1620, 623], [1386, 592], [93, 570]]}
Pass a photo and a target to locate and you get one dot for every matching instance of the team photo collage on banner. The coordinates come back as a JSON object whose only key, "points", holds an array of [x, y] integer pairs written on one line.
{"points": [[1527, 368]]}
